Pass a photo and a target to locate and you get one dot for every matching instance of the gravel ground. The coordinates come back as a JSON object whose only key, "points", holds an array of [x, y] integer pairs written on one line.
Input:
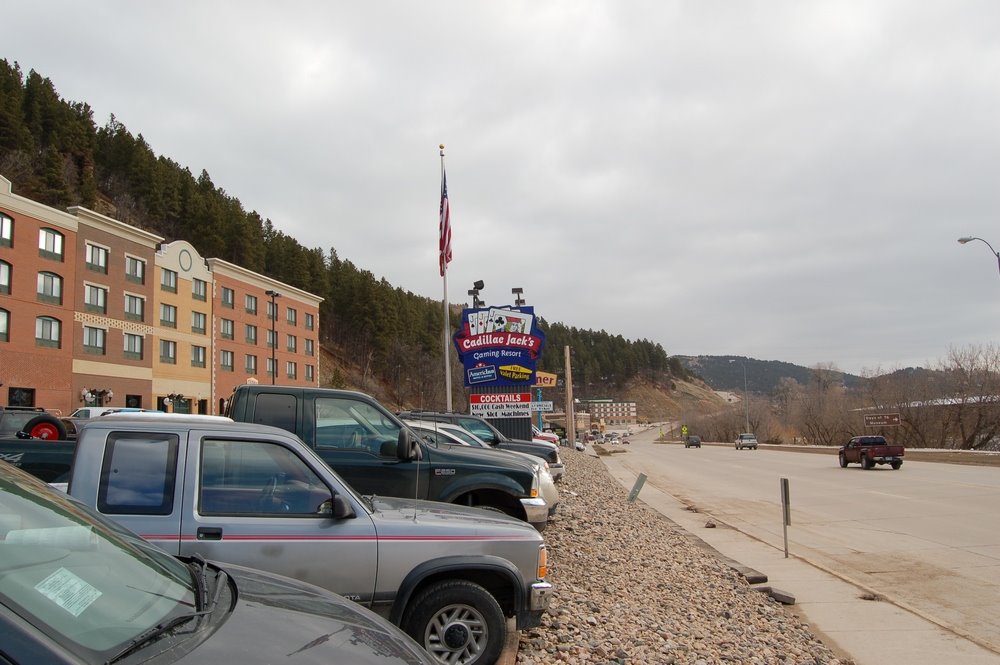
{"points": [[631, 587]]}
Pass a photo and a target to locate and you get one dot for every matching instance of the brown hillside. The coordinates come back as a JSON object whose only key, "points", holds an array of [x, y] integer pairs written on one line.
{"points": [[655, 401]]}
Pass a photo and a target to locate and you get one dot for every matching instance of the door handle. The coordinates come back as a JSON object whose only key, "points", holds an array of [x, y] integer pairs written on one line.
{"points": [[209, 533]]}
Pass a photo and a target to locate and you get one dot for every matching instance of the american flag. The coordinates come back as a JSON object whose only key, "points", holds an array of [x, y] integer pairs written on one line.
{"points": [[444, 227]]}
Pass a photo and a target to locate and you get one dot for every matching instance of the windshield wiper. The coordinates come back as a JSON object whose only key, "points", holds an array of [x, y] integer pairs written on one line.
{"points": [[164, 627], [153, 633]]}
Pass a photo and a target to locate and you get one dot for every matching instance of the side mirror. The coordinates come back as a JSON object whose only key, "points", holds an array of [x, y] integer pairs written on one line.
{"points": [[338, 508], [408, 448]]}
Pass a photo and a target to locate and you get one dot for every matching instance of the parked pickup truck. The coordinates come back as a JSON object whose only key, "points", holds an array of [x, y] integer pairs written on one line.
{"points": [[357, 436], [869, 451], [254, 495]]}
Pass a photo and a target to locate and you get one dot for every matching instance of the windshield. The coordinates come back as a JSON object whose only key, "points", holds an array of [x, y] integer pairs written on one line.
{"points": [[84, 581]]}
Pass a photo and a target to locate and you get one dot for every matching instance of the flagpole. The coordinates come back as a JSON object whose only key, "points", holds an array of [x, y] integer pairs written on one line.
{"points": [[447, 316]]}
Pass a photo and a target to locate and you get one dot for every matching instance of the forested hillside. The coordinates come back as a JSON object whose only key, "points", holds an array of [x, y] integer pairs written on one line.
{"points": [[53, 152]]}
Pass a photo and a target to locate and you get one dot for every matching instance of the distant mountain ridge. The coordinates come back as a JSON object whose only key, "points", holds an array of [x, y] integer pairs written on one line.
{"points": [[762, 376]]}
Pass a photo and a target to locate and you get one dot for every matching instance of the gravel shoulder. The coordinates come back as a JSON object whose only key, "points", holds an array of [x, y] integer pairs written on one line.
{"points": [[632, 587]]}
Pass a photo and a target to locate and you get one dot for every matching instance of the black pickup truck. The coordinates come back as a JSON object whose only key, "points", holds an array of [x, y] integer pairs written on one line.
{"points": [[359, 439]]}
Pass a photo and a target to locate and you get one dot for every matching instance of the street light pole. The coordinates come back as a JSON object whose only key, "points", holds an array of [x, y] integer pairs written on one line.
{"points": [[274, 335], [966, 239]]}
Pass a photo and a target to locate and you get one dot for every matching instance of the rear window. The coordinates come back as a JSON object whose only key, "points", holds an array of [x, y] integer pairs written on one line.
{"points": [[137, 476]]}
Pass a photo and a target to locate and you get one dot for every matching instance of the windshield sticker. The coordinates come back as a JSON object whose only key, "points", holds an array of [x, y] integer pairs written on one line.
{"points": [[68, 591]]}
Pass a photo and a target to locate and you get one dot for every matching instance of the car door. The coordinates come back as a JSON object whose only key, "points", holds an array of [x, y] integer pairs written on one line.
{"points": [[359, 442], [256, 502]]}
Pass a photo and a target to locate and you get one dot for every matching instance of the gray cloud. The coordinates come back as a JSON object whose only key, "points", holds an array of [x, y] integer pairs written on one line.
{"points": [[783, 180]]}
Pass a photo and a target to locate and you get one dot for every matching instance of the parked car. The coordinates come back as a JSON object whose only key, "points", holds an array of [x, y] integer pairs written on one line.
{"points": [[30, 422], [544, 436], [85, 412], [693, 441], [77, 588], [494, 437], [436, 432], [746, 440]]}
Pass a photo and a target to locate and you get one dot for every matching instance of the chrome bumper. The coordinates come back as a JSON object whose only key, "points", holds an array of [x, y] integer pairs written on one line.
{"points": [[541, 594], [536, 512]]}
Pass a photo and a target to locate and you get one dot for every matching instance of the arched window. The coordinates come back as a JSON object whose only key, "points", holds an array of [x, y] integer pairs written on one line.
{"points": [[50, 244], [50, 288], [48, 332], [5, 277]]}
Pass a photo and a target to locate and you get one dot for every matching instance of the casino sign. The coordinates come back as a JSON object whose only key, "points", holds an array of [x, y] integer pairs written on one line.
{"points": [[499, 346]]}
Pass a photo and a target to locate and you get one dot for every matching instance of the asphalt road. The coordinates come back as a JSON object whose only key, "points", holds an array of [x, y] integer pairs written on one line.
{"points": [[926, 537]]}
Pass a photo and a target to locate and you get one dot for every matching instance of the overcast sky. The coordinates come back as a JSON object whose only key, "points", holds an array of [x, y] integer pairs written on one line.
{"points": [[779, 180]]}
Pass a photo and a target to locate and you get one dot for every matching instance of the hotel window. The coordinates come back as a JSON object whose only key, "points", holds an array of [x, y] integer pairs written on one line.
{"points": [[135, 307], [49, 288], [310, 373], [226, 329], [272, 310], [95, 298], [271, 339], [6, 231], [228, 297], [97, 258], [93, 340], [310, 321], [199, 289], [250, 303], [226, 360], [291, 369], [271, 364], [168, 351], [251, 364], [291, 316], [5, 278], [292, 343], [251, 333], [168, 315], [198, 322], [4, 325], [50, 244], [168, 280], [197, 356], [48, 332], [133, 346], [135, 270], [309, 347]]}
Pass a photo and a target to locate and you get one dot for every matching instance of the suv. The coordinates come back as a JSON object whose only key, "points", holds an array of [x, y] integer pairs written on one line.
{"points": [[692, 442], [30, 422], [746, 441], [494, 437]]}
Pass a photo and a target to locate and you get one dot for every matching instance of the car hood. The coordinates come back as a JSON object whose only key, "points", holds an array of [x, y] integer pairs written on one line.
{"points": [[278, 619], [395, 517]]}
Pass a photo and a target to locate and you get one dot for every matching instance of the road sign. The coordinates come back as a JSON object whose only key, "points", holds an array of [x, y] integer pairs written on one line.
{"points": [[541, 406], [881, 419]]}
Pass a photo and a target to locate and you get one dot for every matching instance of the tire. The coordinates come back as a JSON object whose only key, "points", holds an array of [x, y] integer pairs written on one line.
{"points": [[843, 460], [457, 622], [866, 463], [896, 464], [45, 426]]}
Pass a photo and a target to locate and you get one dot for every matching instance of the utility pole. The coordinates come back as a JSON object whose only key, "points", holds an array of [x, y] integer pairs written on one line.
{"points": [[570, 412]]}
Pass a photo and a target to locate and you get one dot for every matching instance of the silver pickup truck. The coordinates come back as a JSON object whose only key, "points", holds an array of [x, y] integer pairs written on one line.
{"points": [[257, 496]]}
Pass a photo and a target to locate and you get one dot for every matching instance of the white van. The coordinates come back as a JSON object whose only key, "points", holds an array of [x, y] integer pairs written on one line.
{"points": [[90, 411]]}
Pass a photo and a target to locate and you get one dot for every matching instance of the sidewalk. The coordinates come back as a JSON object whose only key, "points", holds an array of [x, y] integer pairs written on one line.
{"points": [[869, 632]]}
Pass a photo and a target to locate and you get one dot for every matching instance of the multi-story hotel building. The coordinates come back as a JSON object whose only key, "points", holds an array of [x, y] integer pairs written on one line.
{"points": [[97, 312], [611, 412]]}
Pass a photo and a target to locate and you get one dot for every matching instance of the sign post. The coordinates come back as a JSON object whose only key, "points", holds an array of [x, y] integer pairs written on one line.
{"points": [[786, 511]]}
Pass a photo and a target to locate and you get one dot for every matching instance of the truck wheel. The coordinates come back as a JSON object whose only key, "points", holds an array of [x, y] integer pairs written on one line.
{"points": [[896, 464], [45, 426], [843, 460], [866, 463], [457, 622]]}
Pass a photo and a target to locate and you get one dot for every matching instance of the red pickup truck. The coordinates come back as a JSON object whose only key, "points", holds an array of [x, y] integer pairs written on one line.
{"points": [[869, 451]]}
